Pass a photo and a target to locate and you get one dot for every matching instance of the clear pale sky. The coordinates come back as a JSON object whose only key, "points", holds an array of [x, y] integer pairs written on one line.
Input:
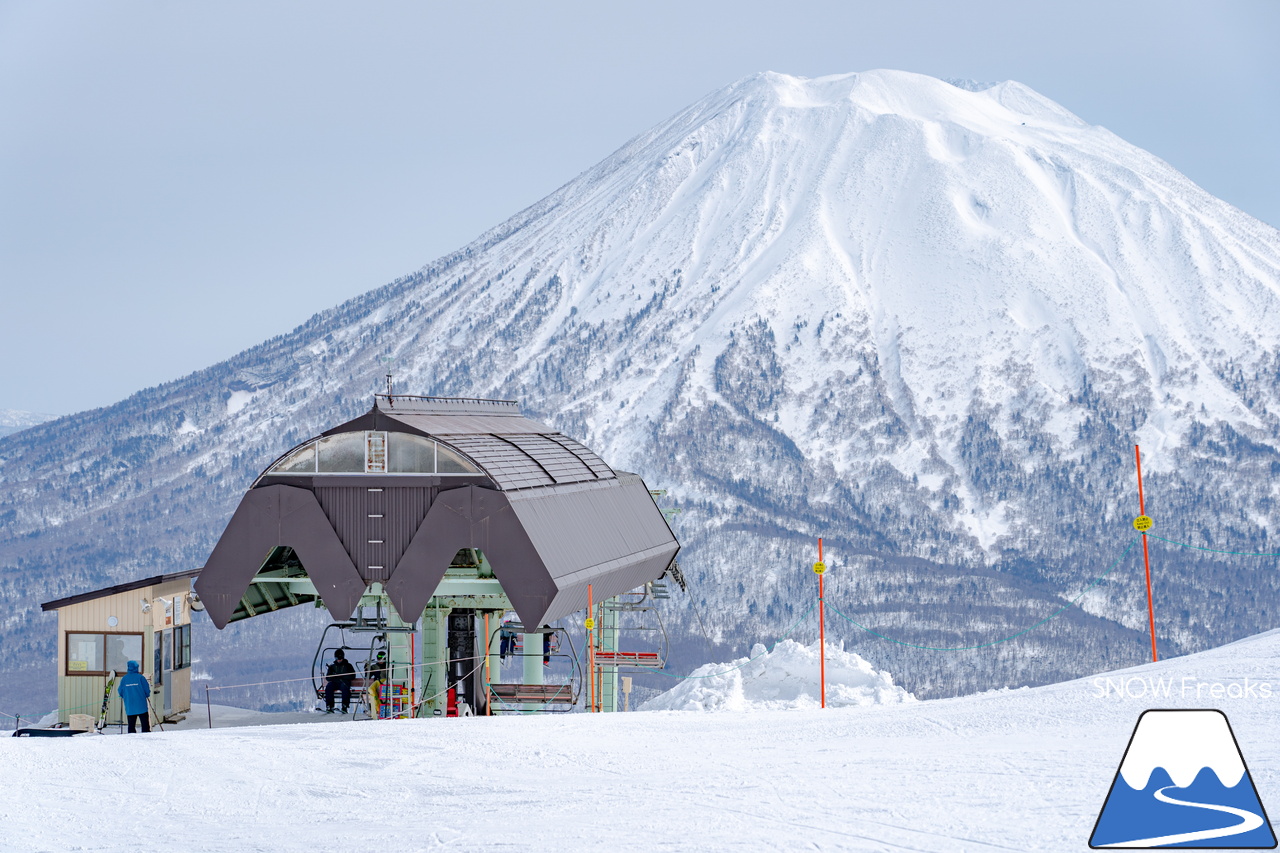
{"points": [[180, 181]]}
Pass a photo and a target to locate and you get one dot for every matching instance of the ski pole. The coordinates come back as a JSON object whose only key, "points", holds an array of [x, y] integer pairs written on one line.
{"points": [[152, 709]]}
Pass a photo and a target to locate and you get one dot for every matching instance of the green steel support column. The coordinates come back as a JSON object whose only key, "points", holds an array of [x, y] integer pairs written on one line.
{"points": [[532, 663], [399, 653], [494, 670], [609, 674], [433, 669]]}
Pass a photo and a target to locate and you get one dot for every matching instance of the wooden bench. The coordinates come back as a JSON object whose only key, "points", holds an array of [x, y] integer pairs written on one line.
{"points": [[357, 690]]}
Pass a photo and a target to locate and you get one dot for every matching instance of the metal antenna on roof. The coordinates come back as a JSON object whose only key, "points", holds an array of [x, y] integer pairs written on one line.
{"points": [[390, 362]]}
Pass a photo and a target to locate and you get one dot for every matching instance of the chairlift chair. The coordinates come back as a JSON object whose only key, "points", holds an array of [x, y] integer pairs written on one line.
{"points": [[563, 696], [638, 602], [324, 656]]}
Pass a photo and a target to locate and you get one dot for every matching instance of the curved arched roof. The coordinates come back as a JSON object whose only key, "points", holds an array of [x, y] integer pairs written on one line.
{"points": [[548, 513], [514, 451]]}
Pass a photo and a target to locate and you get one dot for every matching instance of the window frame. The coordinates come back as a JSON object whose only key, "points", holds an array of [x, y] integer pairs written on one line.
{"points": [[314, 446], [181, 647], [99, 673]]}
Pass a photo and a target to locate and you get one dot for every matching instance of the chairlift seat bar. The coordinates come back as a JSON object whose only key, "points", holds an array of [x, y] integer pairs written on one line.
{"points": [[643, 659], [519, 628], [539, 693]]}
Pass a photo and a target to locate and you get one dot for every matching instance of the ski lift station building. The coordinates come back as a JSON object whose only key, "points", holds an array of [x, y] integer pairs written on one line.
{"points": [[426, 521]]}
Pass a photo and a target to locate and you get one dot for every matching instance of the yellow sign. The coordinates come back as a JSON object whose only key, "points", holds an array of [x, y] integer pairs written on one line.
{"points": [[819, 567], [590, 623], [1143, 523], [78, 665]]}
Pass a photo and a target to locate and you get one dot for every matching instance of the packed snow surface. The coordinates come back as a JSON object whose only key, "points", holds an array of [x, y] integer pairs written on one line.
{"points": [[1011, 770], [786, 677]]}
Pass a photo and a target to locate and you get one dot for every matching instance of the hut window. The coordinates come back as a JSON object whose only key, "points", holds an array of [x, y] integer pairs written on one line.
{"points": [[122, 648], [96, 654], [84, 653], [182, 647]]}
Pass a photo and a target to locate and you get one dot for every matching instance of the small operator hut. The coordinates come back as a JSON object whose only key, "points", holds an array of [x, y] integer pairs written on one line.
{"points": [[100, 632], [446, 536]]}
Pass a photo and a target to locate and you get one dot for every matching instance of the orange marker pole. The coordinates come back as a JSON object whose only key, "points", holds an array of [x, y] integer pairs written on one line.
{"points": [[591, 654], [488, 672], [822, 631], [1146, 555]]}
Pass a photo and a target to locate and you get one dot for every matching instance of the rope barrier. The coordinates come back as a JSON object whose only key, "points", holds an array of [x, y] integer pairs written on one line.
{"points": [[788, 633], [1053, 615], [417, 706], [1214, 550], [41, 714], [312, 678]]}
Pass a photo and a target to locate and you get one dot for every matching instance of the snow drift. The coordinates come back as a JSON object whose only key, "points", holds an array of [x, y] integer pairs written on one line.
{"points": [[786, 677]]}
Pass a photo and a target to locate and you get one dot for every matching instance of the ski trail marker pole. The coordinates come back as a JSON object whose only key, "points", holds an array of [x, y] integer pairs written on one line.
{"points": [[1142, 524], [590, 625], [820, 569]]}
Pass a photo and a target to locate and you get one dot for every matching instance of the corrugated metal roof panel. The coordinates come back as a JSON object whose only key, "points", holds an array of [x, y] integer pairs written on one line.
{"points": [[611, 536], [585, 454], [545, 545], [508, 465], [556, 459], [525, 461]]}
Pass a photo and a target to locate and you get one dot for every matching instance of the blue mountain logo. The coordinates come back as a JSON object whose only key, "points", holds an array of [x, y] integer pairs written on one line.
{"points": [[1183, 783]]}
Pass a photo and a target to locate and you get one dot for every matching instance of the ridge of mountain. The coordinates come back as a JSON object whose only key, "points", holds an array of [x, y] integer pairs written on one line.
{"points": [[15, 420], [926, 322]]}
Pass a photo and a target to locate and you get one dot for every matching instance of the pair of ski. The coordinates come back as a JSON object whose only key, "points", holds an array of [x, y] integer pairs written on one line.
{"points": [[106, 698]]}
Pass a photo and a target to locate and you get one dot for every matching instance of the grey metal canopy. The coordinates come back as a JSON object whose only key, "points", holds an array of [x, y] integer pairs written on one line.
{"points": [[393, 495]]}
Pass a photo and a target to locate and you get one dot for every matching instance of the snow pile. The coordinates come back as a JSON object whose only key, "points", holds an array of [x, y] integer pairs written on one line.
{"points": [[784, 678]]}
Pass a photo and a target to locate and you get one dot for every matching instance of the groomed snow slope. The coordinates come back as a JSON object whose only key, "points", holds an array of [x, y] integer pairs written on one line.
{"points": [[1015, 770]]}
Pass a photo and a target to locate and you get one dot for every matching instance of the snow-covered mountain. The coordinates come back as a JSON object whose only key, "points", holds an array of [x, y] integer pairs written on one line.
{"points": [[928, 322], [13, 420]]}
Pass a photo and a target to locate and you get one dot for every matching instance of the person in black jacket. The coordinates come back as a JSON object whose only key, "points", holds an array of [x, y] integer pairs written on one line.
{"points": [[338, 677], [377, 669]]}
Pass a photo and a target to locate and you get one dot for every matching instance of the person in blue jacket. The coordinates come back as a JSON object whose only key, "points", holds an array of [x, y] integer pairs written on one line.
{"points": [[135, 692]]}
